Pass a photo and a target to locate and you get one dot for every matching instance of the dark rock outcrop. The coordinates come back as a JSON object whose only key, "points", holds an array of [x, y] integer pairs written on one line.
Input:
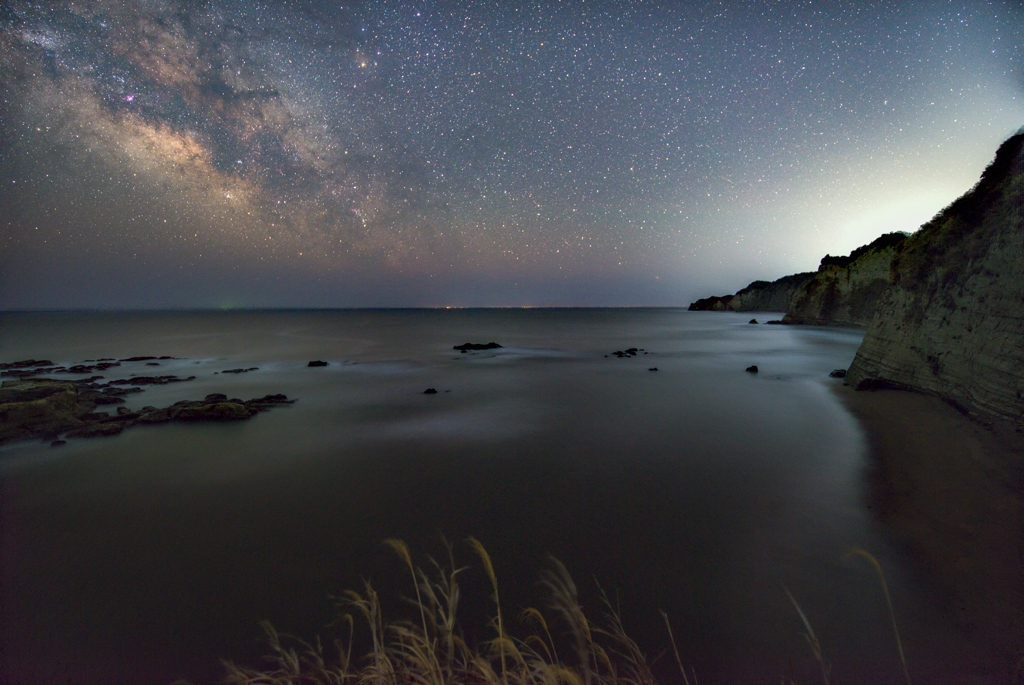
{"points": [[472, 347], [38, 407], [32, 367], [25, 364], [316, 363], [951, 320], [211, 411], [151, 380], [45, 408]]}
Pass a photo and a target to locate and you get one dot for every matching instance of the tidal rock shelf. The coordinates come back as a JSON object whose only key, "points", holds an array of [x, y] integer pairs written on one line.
{"points": [[33, 408], [42, 367]]}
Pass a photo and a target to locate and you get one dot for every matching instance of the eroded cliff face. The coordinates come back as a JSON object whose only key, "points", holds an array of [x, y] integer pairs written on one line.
{"points": [[846, 290], [951, 320], [759, 296], [762, 296]]}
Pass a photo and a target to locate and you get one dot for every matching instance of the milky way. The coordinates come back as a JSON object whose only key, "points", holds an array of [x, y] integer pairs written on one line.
{"points": [[304, 153]]}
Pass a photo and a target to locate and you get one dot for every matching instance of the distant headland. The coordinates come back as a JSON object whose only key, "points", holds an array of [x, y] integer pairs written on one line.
{"points": [[943, 307]]}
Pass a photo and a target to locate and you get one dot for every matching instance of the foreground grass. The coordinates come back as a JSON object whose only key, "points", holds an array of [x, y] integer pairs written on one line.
{"points": [[430, 649]]}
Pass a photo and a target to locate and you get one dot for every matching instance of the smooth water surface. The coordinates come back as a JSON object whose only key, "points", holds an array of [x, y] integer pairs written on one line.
{"points": [[698, 488]]}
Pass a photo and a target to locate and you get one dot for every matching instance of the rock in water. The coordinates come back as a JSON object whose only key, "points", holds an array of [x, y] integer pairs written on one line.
{"points": [[213, 411], [97, 430], [37, 408], [43, 408]]}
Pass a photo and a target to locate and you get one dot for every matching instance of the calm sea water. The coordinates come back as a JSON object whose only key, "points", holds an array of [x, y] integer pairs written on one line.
{"points": [[698, 489]]}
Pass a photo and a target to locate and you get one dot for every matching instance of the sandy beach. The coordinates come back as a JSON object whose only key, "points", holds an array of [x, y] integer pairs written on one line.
{"points": [[949, 487]]}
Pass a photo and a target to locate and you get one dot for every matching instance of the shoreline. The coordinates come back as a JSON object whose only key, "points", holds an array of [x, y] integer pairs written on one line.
{"points": [[949, 488]]}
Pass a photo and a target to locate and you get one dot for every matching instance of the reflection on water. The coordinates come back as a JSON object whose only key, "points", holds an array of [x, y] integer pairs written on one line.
{"points": [[698, 488]]}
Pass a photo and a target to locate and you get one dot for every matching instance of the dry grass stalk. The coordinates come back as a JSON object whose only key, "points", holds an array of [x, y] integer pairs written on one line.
{"points": [[856, 551], [812, 639], [433, 652]]}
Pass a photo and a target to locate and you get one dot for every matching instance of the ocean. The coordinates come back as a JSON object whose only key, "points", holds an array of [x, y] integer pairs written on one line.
{"points": [[671, 480]]}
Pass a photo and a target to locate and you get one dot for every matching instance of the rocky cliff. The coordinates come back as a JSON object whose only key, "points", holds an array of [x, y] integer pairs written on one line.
{"points": [[774, 296], [845, 290], [951, 320], [759, 296]]}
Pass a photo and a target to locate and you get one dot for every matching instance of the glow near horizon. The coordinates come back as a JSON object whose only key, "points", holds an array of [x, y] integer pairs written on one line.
{"points": [[479, 154]]}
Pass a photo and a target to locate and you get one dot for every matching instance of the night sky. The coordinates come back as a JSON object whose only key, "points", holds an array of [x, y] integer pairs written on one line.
{"points": [[230, 153]]}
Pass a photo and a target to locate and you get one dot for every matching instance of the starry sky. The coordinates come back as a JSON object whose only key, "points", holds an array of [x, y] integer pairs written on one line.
{"points": [[306, 153]]}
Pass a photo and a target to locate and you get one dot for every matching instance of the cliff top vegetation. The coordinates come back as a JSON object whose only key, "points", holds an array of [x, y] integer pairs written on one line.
{"points": [[879, 243], [955, 238]]}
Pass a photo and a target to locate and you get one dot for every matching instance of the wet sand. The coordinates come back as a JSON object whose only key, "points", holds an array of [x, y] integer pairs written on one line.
{"points": [[949, 487]]}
